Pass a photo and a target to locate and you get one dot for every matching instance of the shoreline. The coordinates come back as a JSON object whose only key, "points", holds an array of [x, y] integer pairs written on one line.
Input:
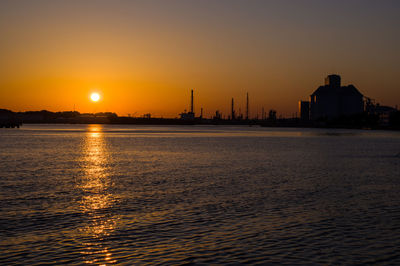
{"points": [[178, 122]]}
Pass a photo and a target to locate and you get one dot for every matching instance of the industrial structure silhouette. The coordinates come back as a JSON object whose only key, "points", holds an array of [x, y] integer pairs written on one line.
{"points": [[332, 100]]}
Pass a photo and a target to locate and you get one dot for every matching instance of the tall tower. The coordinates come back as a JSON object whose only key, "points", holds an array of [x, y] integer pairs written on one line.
{"points": [[232, 110], [191, 103], [247, 106]]}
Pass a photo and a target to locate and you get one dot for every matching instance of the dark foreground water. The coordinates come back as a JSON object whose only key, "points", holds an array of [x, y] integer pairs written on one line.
{"points": [[204, 195]]}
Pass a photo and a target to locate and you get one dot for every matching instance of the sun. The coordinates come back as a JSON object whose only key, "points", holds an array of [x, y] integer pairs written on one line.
{"points": [[95, 97]]}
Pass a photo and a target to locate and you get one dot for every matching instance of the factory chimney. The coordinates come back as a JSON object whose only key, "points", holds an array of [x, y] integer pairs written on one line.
{"points": [[232, 111], [191, 103], [247, 106]]}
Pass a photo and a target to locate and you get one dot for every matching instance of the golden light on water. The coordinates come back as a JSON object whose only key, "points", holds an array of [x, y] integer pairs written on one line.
{"points": [[95, 185]]}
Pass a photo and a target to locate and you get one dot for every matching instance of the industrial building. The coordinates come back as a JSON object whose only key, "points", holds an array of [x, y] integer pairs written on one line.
{"points": [[332, 100], [304, 110]]}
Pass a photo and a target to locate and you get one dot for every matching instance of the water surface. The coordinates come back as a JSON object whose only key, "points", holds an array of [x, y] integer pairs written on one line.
{"points": [[107, 194]]}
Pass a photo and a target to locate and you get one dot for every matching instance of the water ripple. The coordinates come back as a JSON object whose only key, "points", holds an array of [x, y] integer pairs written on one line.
{"points": [[109, 195]]}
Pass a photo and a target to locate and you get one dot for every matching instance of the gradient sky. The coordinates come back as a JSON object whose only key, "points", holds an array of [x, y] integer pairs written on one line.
{"points": [[145, 56]]}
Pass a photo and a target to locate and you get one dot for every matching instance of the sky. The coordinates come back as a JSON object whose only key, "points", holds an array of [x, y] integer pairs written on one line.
{"points": [[146, 56]]}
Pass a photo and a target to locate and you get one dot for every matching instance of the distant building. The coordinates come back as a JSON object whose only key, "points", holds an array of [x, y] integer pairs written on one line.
{"points": [[147, 116], [304, 110], [272, 115], [333, 100], [218, 115], [384, 113], [187, 115]]}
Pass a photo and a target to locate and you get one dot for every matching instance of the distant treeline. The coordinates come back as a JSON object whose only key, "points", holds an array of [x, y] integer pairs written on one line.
{"points": [[74, 117]]}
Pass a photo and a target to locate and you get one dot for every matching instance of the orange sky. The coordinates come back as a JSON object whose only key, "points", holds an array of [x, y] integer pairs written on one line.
{"points": [[144, 57]]}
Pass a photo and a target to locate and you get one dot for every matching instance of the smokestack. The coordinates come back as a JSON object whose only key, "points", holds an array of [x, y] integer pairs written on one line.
{"points": [[201, 112], [232, 111], [191, 103], [247, 106]]}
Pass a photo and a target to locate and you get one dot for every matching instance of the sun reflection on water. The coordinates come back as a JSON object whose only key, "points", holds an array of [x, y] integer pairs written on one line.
{"points": [[96, 187]]}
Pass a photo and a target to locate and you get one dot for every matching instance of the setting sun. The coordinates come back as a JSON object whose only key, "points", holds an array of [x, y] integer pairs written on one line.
{"points": [[95, 97]]}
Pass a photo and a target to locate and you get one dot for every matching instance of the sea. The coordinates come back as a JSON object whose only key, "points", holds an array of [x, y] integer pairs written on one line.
{"points": [[198, 195]]}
